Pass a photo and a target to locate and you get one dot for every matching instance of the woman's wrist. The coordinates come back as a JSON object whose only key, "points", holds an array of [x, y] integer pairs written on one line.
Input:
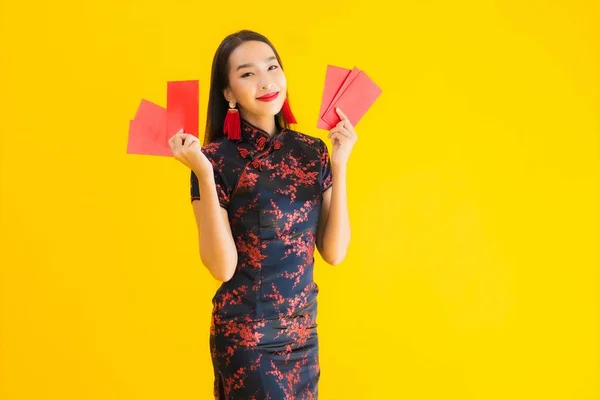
{"points": [[339, 166], [204, 176]]}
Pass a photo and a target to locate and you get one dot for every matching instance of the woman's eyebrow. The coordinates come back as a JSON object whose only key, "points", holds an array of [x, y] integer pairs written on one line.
{"points": [[252, 65]]}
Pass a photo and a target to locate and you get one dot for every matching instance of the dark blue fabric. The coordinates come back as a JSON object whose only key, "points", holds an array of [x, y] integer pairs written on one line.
{"points": [[263, 336]]}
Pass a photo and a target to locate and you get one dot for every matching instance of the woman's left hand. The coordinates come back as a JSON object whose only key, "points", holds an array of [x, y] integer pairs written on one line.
{"points": [[343, 137]]}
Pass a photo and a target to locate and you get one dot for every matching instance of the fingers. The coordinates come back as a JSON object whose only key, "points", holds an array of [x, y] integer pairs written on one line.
{"points": [[344, 123], [337, 136], [181, 142], [341, 114], [179, 135], [339, 129], [180, 139], [190, 141]]}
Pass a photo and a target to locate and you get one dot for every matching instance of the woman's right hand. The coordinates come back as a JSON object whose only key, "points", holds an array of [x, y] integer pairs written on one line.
{"points": [[186, 149]]}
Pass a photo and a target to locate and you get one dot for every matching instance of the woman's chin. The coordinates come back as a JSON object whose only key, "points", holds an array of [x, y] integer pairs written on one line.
{"points": [[268, 108]]}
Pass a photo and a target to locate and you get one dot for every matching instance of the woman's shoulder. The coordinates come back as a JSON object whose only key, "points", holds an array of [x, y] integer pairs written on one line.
{"points": [[220, 146]]}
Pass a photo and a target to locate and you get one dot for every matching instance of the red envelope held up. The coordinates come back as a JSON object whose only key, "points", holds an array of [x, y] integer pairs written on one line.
{"points": [[334, 79], [147, 131], [182, 107], [154, 125], [352, 91]]}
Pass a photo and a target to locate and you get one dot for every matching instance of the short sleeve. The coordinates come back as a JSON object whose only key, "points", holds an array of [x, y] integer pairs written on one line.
{"points": [[223, 190], [326, 176]]}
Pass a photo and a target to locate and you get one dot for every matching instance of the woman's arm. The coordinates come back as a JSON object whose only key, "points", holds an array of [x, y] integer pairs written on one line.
{"points": [[333, 236], [217, 247]]}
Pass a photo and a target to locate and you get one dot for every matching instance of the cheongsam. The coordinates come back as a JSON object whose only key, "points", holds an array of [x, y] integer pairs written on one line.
{"points": [[263, 333]]}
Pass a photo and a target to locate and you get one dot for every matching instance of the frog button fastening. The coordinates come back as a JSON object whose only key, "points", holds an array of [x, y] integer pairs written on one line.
{"points": [[261, 142]]}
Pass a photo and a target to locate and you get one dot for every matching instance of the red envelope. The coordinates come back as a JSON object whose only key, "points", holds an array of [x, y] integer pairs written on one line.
{"points": [[154, 125], [139, 143], [147, 131], [334, 79], [182, 107], [354, 97], [349, 79]]}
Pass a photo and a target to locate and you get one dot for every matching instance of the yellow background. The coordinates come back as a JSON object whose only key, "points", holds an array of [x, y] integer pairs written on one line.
{"points": [[473, 190]]}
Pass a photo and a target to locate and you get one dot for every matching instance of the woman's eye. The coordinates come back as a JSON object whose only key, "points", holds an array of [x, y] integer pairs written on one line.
{"points": [[246, 74]]}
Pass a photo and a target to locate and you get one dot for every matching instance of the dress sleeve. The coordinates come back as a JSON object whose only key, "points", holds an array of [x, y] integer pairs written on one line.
{"points": [[326, 177], [223, 189]]}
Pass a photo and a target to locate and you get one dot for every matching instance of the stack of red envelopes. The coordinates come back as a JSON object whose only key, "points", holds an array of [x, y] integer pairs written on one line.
{"points": [[350, 90], [154, 125]]}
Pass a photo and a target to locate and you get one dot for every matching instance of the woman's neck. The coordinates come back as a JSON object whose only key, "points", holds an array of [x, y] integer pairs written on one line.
{"points": [[266, 123]]}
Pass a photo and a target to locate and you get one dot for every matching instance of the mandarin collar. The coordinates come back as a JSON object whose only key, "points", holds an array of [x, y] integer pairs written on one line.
{"points": [[259, 138]]}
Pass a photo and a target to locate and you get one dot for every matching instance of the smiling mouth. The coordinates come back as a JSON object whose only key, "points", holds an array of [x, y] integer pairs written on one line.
{"points": [[269, 96]]}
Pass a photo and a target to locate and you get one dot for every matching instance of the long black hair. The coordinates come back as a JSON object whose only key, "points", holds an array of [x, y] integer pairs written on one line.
{"points": [[219, 80]]}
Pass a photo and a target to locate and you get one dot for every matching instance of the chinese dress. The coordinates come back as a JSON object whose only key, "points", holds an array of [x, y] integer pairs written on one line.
{"points": [[263, 334]]}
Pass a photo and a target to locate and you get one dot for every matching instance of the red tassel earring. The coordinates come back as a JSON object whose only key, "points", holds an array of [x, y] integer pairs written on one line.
{"points": [[231, 126], [287, 113]]}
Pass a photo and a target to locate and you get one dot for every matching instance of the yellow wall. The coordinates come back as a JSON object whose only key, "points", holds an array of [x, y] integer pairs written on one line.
{"points": [[473, 270]]}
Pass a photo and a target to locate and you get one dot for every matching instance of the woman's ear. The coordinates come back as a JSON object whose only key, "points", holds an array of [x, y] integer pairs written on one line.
{"points": [[228, 95]]}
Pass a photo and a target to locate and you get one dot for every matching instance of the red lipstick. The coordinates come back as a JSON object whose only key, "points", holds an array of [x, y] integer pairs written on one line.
{"points": [[268, 97]]}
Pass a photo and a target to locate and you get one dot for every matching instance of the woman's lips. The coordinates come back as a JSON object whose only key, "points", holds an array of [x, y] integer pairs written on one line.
{"points": [[268, 97]]}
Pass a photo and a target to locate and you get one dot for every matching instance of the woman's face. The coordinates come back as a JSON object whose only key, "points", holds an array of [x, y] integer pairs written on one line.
{"points": [[254, 72]]}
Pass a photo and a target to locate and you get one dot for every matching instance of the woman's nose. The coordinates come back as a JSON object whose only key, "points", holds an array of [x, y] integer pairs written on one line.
{"points": [[265, 86]]}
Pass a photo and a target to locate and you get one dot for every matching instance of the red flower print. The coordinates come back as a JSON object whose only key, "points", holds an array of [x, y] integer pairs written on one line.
{"points": [[243, 152]]}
